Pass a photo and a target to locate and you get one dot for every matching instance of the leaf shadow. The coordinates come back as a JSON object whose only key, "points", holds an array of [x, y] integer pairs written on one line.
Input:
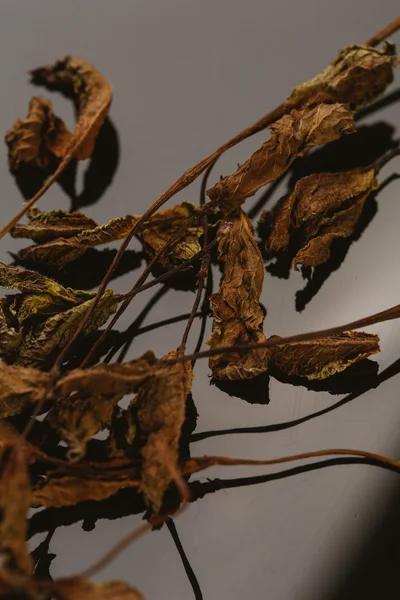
{"points": [[253, 391], [98, 176], [87, 272], [373, 383]]}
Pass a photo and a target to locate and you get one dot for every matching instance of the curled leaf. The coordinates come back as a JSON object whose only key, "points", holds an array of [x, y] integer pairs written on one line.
{"points": [[20, 387], [318, 359], [47, 226], [291, 137], [322, 207], [237, 314], [160, 415], [357, 76], [92, 94], [57, 311], [39, 138], [59, 251], [15, 499]]}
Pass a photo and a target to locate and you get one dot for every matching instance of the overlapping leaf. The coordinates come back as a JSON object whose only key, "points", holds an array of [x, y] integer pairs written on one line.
{"points": [[160, 415], [237, 314], [322, 207], [291, 137]]}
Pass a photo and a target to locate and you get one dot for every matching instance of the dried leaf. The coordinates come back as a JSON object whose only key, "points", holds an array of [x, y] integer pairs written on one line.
{"points": [[160, 415], [322, 207], [291, 137], [238, 316], [108, 379], [162, 226], [77, 588], [92, 94], [47, 226], [357, 76], [38, 138], [69, 490], [57, 311], [19, 388], [318, 359], [15, 499], [60, 251]]}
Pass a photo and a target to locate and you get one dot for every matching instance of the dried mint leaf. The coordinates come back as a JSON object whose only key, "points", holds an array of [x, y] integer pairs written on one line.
{"points": [[291, 137], [20, 387], [15, 500], [318, 359], [47, 226], [357, 76], [160, 414], [39, 138], [322, 207], [92, 94], [77, 588], [237, 314], [60, 251]]}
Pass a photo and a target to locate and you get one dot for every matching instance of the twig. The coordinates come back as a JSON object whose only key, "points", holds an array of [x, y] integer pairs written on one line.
{"points": [[384, 33]]}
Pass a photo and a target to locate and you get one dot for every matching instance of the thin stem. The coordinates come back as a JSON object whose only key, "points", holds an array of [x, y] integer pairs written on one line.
{"points": [[384, 33], [385, 315], [134, 290], [383, 160], [195, 464], [205, 264]]}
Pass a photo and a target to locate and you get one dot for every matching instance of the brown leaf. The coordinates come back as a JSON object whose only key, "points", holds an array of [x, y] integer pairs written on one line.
{"points": [[357, 76], [59, 251], [108, 379], [47, 226], [77, 588], [92, 94], [38, 138], [318, 359], [20, 387], [69, 490], [15, 499], [160, 415], [291, 137], [238, 316], [162, 226], [322, 207]]}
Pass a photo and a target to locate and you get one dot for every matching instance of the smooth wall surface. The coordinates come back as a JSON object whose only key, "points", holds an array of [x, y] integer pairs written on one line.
{"points": [[188, 75]]}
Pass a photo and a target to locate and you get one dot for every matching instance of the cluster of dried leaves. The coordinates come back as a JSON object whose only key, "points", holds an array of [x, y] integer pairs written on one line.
{"points": [[41, 319]]}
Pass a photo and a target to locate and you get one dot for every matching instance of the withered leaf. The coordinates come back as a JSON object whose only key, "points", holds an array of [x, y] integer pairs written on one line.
{"points": [[15, 499], [108, 379], [47, 226], [160, 415], [77, 588], [162, 226], [69, 490], [20, 387], [237, 314], [57, 312], [357, 76], [38, 138], [291, 137], [318, 359], [92, 94], [59, 251], [322, 207]]}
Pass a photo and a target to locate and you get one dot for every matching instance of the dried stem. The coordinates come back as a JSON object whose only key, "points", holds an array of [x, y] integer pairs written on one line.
{"points": [[385, 315], [384, 33], [383, 160]]}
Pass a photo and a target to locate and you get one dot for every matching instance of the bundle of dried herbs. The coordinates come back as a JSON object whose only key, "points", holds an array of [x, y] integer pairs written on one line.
{"points": [[56, 460]]}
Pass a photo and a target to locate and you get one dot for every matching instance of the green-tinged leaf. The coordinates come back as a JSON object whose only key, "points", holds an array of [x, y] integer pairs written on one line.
{"points": [[47, 226]]}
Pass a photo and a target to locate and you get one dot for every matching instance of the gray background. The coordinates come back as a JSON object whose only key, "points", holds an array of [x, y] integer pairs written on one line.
{"points": [[187, 75]]}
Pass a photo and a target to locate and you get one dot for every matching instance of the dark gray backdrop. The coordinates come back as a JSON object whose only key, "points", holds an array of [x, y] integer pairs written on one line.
{"points": [[187, 75]]}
